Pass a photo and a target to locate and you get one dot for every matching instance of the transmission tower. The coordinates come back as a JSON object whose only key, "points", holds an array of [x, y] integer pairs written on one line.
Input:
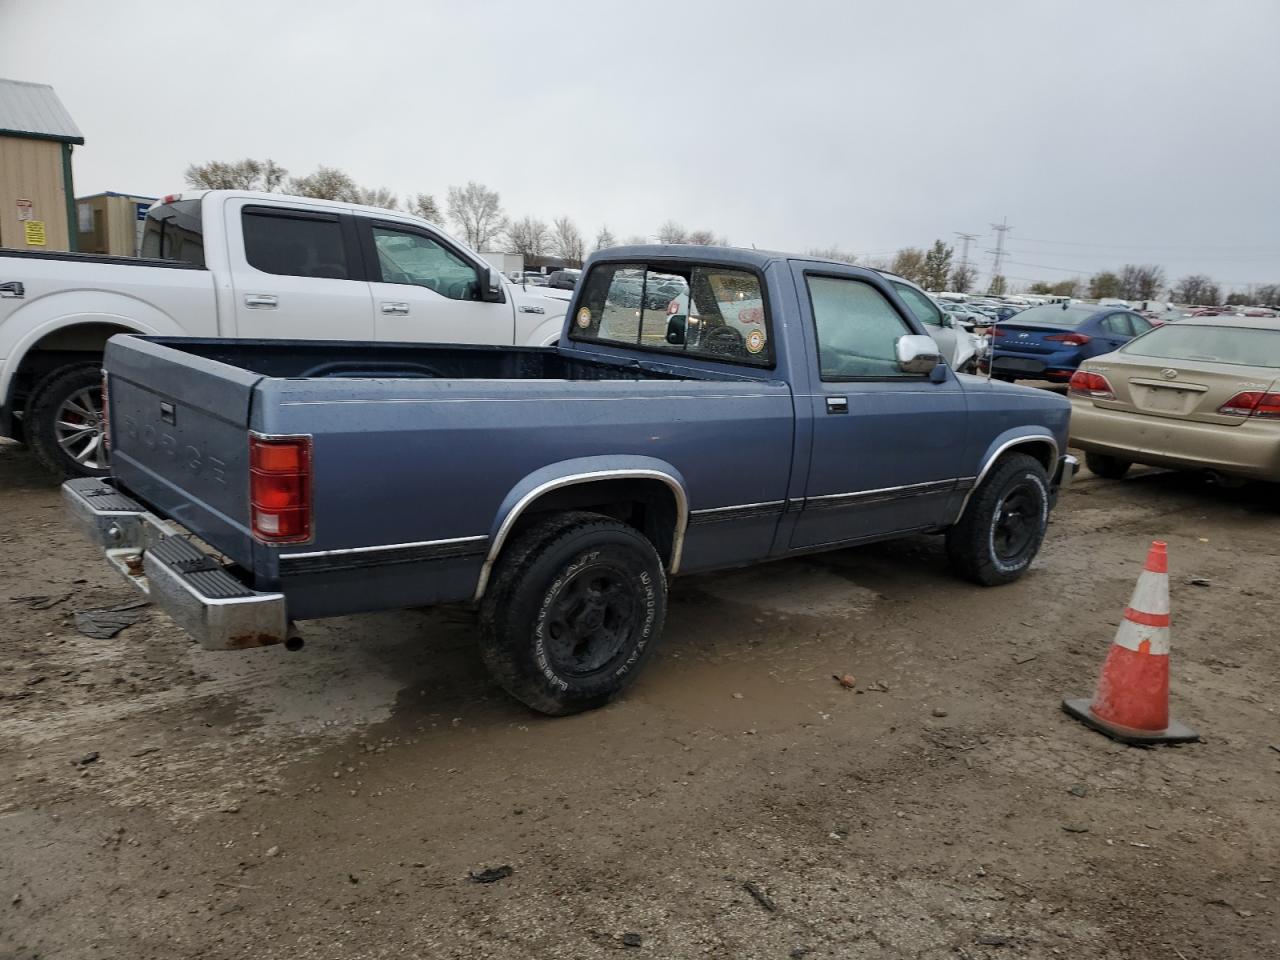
{"points": [[965, 240], [1002, 228]]}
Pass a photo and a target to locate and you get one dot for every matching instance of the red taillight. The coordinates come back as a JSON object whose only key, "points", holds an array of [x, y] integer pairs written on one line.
{"points": [[994, 332], [1075, 339], [106, 413], [1253, 403], [170, 198], [280, 488], [1092, 385]]}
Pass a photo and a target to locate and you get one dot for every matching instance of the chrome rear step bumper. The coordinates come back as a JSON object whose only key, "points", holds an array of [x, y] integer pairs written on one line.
{"points": [[193, 588]]}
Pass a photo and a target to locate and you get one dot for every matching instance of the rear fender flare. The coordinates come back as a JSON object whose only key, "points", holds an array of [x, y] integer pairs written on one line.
{"points": [[34, 321], [584, 470]]}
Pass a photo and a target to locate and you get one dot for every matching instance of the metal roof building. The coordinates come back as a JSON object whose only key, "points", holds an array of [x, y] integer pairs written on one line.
{"points": [[37, 198]]}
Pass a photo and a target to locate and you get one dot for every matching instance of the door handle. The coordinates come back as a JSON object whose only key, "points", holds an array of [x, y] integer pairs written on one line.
{"points": [[14, 289], [260, 301], [837, 404], [397, 308]]}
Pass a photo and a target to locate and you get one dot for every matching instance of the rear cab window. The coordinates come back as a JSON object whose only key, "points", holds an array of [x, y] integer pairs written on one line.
{"points": [[174, 231], [693, 310]]}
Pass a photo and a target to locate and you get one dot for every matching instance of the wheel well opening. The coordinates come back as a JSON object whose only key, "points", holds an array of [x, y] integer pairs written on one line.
{"points": [[649, 505], [1042, 450], [79, 343]]}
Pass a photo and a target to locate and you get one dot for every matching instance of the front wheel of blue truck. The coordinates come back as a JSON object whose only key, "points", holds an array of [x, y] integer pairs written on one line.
{"points": [[1003, 524], [575, 604]]}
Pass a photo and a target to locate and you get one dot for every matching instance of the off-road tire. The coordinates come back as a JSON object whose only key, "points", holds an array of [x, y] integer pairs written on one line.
{"points": [[42, 413], [527, 620], [1113, 468], [972, 542]]}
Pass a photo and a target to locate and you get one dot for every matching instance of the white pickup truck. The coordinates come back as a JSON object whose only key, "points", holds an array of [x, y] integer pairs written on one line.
{"points": [[230, 263]]}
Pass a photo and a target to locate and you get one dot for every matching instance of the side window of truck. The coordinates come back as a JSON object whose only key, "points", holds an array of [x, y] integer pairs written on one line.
{"points": [[926, 310], [411, 257], [294, 244], [713, 312], [857, 329]]}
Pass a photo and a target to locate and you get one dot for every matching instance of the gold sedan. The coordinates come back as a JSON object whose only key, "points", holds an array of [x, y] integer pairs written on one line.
{"points": [[1198, 394]]}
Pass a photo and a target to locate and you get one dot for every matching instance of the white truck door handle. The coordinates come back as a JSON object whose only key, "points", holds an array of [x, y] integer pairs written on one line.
{"points": [[260, 301], [397, 308]]}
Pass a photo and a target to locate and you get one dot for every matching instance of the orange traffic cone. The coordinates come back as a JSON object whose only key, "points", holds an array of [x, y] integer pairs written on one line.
{"points": [[1132, 702]]}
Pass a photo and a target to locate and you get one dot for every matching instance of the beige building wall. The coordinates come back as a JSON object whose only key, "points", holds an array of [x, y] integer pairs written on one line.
{"points": [[113, 223], [32, 170]]}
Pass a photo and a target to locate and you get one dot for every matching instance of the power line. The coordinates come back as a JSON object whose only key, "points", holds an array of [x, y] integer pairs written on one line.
{"points": [[1151, 246]]}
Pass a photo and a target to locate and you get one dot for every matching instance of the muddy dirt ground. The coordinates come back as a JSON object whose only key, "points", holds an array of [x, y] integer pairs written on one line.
{"points": [[157, 801]]}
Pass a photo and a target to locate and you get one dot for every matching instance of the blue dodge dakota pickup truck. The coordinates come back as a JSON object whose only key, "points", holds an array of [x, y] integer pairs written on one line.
{"points": [[704, 408]]}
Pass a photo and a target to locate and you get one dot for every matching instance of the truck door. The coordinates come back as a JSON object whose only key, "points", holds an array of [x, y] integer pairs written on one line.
{"points": [[296, 273], [425, 290], [887, 445]]}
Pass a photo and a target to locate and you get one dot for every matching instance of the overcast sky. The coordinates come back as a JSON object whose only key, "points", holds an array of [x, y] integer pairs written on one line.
{"points": [[1107, 132]]}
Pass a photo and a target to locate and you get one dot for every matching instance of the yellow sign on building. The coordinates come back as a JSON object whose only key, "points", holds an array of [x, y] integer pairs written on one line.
{"points": [[35, 232]]}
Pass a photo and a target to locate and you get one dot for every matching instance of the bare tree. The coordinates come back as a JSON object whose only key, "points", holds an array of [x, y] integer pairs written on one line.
{"points": [[377, 197], [567, 241], [247, 174], [833, 253], [1140, 282], [1198, 289], [326, 183], [963, 277], [909, 262], [424, 205], [477, 211], [706, 238], [635, 240], [1268, 293], [998, 286], [672, 232], [604, 239], [528, 237]]}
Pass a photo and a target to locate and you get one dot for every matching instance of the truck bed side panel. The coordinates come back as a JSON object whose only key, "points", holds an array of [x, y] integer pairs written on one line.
{"points": [[390, 458]]}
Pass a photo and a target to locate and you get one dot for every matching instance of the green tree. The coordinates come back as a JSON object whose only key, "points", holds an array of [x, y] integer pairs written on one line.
{"points": [[909, 262], [1104, 284], [998, 286], [937, 267]]}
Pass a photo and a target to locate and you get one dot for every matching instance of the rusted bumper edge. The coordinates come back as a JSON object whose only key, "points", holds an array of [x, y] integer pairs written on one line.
{"points": [[195, 590]]}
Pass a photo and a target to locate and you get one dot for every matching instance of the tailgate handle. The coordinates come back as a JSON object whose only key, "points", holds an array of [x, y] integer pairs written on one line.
{"points": [[260, 301], [13, 288], [397, 308]]}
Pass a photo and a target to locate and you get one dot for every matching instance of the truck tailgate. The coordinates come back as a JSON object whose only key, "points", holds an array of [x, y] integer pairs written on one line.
{"points": [[180, 438]]}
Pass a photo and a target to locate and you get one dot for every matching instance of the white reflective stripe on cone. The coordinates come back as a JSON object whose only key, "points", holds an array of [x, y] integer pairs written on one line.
{"points": [[1133, 635], [1151, 594]]}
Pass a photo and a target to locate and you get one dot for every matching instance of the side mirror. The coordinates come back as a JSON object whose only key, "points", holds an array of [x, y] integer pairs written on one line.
{"points": [[491, 286], [677, 327], [947, 321], [917, 354]]}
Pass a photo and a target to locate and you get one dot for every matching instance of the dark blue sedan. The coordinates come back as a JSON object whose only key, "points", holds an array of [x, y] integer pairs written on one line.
{"points": [[1049, 342]]}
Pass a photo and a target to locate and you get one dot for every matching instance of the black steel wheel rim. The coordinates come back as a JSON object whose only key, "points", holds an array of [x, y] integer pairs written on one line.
{"points": [[590, 622], [1017, 521]]}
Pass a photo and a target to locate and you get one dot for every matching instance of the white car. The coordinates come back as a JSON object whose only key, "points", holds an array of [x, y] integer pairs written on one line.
{"points": [[229, 263], [959, 347]]}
